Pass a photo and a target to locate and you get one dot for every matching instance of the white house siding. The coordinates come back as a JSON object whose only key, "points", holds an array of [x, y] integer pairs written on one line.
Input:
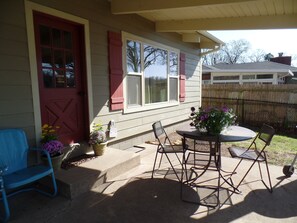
{"points": [[15, 87], [16, 105]]}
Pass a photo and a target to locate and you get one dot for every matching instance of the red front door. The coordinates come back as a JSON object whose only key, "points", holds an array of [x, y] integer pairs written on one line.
{"points": [[61, 76]]}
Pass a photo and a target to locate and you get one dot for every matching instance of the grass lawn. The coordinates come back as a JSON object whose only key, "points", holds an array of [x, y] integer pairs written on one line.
{"points": [[281, 151]]}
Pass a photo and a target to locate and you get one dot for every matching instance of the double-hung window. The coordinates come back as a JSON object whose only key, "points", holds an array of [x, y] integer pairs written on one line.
{"points": [[151, 74]]}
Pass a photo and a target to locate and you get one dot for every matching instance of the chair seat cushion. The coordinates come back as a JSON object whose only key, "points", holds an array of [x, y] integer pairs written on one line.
{"points": [[26, 176], [244, 153]]}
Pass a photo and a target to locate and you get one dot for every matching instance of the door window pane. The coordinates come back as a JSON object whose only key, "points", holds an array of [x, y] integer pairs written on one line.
{"points": [[45, 35], [57, 38], [173, 89], [46, 56], [155, 74], [70, 78], [133, 57], [134, 90], [48, 78], [59, 60], [68, 40], [69, 61], [60, 78], [57, 54]]}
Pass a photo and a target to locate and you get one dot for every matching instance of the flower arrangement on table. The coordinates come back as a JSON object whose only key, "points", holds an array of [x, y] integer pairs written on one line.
{"points": [[212, 119], [49, 140]]}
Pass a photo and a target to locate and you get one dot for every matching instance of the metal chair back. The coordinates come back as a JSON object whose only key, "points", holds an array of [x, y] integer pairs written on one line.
{"points": [[160, 132], [14, 149], [266, 134]]}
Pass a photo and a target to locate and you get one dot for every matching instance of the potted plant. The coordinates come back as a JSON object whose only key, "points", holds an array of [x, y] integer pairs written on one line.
{"points": [[98, 139], [50, 143], [213, 119]]}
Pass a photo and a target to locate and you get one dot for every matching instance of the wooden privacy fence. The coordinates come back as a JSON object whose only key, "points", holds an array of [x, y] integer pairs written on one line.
{"points": [[256, 104]]}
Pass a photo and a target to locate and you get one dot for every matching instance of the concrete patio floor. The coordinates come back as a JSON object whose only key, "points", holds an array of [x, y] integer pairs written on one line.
{"points": [[134, 197]]}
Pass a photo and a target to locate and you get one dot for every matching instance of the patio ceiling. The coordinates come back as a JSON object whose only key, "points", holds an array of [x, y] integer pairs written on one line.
{"points": [[193, 18]]}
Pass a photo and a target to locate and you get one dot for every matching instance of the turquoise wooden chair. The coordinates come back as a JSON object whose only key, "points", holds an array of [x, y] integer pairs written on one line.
{"points": [[15, 174]]}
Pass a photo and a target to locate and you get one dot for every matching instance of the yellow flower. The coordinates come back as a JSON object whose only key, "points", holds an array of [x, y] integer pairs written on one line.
{"points": [[45, 126], [48, 133]]}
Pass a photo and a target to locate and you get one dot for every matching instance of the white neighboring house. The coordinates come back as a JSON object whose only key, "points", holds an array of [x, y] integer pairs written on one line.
{"points": [[266, 72]]}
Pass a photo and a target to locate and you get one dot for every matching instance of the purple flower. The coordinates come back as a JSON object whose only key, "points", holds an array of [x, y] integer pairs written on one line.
{"points": [[204, 117], [225, 109], [97, 137], [54, 147]]}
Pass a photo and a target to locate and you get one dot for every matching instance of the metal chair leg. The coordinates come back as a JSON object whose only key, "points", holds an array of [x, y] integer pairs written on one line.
{"points": [[5, 202], [269, 178], [154, 164], [172, 167]]}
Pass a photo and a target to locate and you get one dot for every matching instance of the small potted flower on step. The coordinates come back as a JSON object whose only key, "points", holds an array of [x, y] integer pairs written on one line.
{"points": [[50, 143], [98, 139]]}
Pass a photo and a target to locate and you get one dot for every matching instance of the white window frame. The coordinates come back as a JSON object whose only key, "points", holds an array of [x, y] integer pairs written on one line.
{"points": [[143, 106]]}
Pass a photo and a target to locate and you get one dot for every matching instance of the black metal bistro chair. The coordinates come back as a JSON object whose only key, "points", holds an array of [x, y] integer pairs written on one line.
{"points": [[165, 147], [256, 153]]}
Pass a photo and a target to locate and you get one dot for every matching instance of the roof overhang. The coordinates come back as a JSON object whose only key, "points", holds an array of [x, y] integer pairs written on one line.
{"points": [[193, 18]]}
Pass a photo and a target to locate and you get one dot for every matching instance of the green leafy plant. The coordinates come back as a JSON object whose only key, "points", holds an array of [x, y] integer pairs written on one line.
{"points": [[213, 119]]}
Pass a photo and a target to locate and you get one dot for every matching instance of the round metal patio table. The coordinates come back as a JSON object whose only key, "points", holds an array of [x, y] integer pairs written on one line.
{"points": [[231, 134]]}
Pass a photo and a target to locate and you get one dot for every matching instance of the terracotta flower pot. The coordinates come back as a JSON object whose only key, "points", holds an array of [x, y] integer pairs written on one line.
{"points": [[99, 148]]}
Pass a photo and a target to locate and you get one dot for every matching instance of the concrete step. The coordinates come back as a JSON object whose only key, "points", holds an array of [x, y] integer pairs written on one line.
{"points": [[91, 174]]}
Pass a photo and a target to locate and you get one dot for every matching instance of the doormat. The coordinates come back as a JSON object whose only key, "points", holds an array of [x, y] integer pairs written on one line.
{"points": [[76, 161]]}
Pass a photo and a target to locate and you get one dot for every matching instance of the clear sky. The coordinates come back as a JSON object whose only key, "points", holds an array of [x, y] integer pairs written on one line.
{"points": [[271, 41]]}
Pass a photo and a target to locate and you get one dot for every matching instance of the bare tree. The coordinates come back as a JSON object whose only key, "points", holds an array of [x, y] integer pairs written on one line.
{"points": [[257, 55], [232, 52], [238, 51], [208, 59], [151, 55]]}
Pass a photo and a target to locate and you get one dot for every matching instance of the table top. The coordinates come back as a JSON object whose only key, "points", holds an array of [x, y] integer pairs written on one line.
{"points": [[231, 134]]}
